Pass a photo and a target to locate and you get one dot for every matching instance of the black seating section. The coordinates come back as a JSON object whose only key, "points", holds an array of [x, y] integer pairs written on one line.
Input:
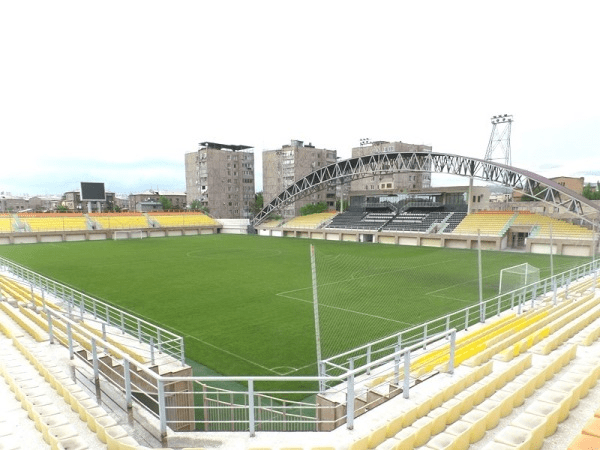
{"points": [[413, 221], [454, 220]]}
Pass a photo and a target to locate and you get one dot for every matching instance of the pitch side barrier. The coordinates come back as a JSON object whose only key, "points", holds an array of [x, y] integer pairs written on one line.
{"points": [[166, 402], [159, 339], [524, 297], [163, 406]]}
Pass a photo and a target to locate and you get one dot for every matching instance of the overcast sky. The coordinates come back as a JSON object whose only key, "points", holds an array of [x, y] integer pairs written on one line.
{"points": [[119, 91]]}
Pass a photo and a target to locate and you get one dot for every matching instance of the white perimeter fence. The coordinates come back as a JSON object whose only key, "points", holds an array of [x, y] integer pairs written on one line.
{"points": [[268, 403]]}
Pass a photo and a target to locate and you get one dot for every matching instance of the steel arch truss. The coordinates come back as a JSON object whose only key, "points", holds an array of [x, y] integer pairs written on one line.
{"points": [[529, 183]]}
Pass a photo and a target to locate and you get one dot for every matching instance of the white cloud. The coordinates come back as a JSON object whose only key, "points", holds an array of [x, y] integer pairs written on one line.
{"points": [[138, 81]]}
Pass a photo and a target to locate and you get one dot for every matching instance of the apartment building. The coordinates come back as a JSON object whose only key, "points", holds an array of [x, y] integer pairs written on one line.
{"points": [[282, 167], [221, 177], [400, 182]]}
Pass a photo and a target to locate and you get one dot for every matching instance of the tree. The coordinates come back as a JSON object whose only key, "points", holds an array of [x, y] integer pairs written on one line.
{"points": [[313, 208], [257, 204], [591, 194], [62, 208], [195, 205], [166, 203]]}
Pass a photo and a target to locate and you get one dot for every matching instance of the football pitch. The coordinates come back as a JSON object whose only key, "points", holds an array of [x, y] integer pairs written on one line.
{"points": [[244, 304]]}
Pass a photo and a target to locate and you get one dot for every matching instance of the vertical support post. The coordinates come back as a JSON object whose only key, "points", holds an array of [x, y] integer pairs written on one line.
{"points": [[95, 363], [152, 351], [481, 313], [551, 254], [406, 386], [467, 319], [162, 408], [313, 266], [424, 336], [81, 309], [251, 421], [533, 295], [447, 322], [32, 294], [139, 330], [159, 340], [94, 309], [520, 308], [368, 360], [127, 376], [350, 397], [70, 339], [397, 365], [554, 291], [512, 300], [452, 352], [182, 352], [50, 334], [122, 322]]}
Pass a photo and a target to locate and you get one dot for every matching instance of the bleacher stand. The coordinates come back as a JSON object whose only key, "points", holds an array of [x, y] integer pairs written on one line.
{"points": [[454, 220], [491, 223], [119, 221], [310, 221], [53, 222], [348, 220], [182, 219], [558, 228], [5, 223]]}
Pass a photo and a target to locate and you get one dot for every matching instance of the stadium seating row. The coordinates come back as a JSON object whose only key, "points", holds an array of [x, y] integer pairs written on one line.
{"points": [[57, 427], [548, 225], [486, 224], [310, 221], [5, 224], [81, 222]]}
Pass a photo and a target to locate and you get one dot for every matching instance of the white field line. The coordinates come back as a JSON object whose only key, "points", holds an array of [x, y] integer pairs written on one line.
{"points": [[216, 347], [233, 354], [283, 294], [433, 293]]}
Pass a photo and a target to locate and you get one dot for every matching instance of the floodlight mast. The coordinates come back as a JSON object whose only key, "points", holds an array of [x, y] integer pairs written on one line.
{"points": [[500, 140]]}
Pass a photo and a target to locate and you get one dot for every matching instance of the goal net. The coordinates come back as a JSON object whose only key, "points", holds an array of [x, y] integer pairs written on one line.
{"points": [[128, 234], [517, 277]]}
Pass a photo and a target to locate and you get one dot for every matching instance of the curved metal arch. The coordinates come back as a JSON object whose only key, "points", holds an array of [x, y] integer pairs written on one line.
{"points": [[344, 171]]}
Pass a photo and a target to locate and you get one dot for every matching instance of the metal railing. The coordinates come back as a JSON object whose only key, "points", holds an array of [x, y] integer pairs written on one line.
{"points": [[265, 403], [157, 338], [462, 319], [291, 403]]}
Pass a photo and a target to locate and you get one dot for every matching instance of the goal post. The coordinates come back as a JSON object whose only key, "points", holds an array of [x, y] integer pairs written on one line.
{"points": [[128, 234], [516, 277]]}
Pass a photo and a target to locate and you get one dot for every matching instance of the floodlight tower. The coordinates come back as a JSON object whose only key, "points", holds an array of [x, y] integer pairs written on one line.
{"points": [[500, 139]]}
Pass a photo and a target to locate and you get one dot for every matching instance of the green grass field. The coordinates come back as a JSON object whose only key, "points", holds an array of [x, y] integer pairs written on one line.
{"points": [[244, 303]]}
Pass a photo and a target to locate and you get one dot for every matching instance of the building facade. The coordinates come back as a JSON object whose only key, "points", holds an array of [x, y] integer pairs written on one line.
{"points": [[41, 203], [283, 166], [221, 178], [400, 182], [178, 199]]}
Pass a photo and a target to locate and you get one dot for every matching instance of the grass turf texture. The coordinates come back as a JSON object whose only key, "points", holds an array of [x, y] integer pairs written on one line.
{"points": [[244, 303]]}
